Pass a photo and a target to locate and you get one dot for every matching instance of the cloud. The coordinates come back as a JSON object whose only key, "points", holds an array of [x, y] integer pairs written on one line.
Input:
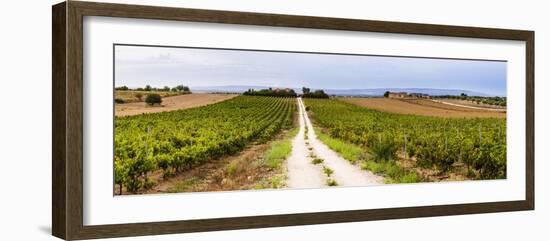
{"points": [[160, 66]]}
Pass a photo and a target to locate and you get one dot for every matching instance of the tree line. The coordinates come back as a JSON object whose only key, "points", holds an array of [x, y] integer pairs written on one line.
{"points": [[287, 92], [178, 88]]}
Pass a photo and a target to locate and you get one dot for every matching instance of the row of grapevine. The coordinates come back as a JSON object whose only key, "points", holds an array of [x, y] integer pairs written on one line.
{"points": [[178, 140], [479, 143]]}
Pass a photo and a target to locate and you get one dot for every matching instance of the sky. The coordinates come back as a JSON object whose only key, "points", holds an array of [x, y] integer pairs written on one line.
{"points": [[137, 66]]}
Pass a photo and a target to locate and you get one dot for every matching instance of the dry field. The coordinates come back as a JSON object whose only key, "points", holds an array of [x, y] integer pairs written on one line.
{"points": [[170, 104], [422, 107]]}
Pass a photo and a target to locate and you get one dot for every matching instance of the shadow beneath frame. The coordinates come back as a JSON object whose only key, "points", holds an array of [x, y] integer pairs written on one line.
{"points": [[45, 229]]}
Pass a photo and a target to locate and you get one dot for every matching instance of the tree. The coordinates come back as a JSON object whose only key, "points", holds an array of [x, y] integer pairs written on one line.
{"points": [[463, 94], [121, 88], [148, 88], [166, 88], [153, 99], [386, 94], [138, 95], [180, 87], [315, 94], [186, 89]]}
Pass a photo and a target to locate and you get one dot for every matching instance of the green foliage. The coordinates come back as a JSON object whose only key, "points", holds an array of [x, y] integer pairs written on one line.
{"points": [[410, 178], [271, 92], [383, 150], [181, 88], [119, 101], [318, 94], [480, 143], [152, 99], [386, 94], [178, 140]]}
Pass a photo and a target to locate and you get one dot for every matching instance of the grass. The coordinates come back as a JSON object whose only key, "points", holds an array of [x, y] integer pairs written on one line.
{"points": [[317, 161], [331, 182], [381, 159], [276, 181], [393, 172], [277, 153], [350, 152], [184, 185], [327, 171], [231, 168], [274, 158]]}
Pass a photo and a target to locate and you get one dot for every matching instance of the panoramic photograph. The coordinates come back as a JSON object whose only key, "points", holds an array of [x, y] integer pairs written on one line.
{"points": [[190, 119]]}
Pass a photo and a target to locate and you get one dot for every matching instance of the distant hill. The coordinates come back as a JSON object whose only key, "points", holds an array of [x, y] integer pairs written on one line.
{"points": [[340, 92], [380, 91]]}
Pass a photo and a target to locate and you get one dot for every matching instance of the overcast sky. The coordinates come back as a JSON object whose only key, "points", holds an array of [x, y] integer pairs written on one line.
{"points": [[137, 66]]}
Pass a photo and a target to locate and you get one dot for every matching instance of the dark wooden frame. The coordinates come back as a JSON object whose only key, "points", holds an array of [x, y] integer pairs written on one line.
{"points": [[67, 123]]}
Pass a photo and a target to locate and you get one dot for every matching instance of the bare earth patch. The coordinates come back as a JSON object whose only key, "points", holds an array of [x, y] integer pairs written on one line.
{"points": [[457, 172], [235, 172], [171, 103], [422, 107]]}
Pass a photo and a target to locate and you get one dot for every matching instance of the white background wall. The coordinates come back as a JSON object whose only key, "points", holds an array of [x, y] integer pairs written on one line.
{"points": [[25, 119]]}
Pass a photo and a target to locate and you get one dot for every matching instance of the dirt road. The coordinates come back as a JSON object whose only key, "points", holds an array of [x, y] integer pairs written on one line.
{"points": [[302, 173]]}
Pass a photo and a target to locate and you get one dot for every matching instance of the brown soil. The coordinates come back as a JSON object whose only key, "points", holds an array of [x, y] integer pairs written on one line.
{"points": [[422, 107], [170, 104], [236, 172]]}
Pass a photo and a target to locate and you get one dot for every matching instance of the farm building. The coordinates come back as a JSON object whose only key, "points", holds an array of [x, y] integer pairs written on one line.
{"points": [[419, 95], [402, 95]]}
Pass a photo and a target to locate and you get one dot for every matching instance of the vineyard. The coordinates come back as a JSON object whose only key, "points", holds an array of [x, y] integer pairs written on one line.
{"points": [[176, 141], [477, 143]]}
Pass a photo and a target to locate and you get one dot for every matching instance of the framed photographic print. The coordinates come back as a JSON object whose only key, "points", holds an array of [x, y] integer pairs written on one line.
{"points": [[171, 120]]}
